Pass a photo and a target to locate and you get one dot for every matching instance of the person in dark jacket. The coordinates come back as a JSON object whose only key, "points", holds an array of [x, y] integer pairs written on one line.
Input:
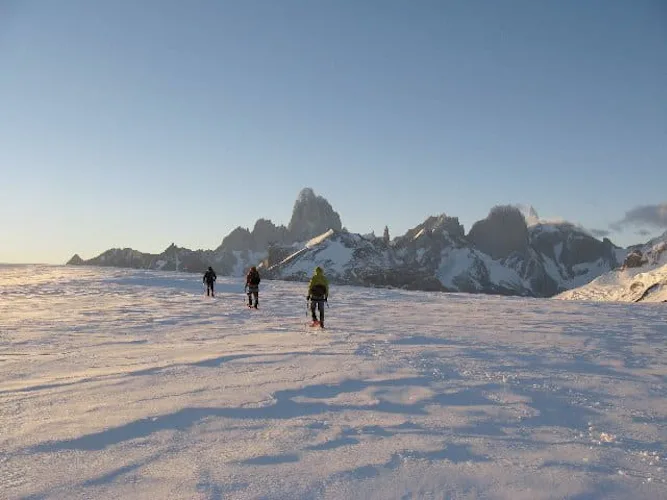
{"points": [[209, 279], [318, 294], [252, 280]]}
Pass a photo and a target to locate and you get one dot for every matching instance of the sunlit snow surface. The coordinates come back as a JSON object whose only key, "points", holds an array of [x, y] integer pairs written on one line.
{"points": [[646, 283], [132, 384]]}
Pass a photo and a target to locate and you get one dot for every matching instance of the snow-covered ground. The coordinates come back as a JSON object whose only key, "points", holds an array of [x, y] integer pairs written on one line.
{"points": [[132, 384]]}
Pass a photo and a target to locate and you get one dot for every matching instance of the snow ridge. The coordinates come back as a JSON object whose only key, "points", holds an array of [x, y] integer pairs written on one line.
{"points": [[646, 283]]}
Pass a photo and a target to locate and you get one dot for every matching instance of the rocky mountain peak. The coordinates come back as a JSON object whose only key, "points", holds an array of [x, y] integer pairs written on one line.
{"points": [[529, 214], [442, 227], [443, 222], [266, 233], [239, 239], [312, 215], [76, 260], [503, 232]]}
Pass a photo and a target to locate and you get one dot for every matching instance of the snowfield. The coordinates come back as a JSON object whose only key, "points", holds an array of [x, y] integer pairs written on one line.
{"points": [[132, 384]]}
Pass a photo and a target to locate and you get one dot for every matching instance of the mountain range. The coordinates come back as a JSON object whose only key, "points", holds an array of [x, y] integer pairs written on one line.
{"points": [[510, 252]]}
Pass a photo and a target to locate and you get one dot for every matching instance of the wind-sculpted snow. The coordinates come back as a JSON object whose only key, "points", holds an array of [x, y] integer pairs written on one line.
{"points": [[133, 384], [640, 284]]}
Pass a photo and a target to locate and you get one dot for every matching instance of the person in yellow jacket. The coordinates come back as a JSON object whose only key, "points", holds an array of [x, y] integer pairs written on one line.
{"points": [[318, 294]]}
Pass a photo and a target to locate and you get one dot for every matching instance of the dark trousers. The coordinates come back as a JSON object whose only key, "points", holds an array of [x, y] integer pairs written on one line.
{"points": [[253, 291], [319, 304], [209, 289]]}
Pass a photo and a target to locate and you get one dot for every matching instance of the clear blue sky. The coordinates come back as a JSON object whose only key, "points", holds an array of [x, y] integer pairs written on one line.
{"points": [[140, 123]]}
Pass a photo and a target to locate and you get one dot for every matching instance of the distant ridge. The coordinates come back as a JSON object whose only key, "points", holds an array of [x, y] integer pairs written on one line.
{"points": [[510, 252]]}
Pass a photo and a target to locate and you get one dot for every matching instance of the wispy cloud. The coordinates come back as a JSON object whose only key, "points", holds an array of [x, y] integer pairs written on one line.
{"points": [[599, 233], [643, 232], [654, 216]]}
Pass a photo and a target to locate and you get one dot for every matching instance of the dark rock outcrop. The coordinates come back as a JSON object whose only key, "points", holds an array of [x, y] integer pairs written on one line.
{"points": [[239, 239], [634, 259], [265, 233], [312, 215], [75, 261], [503, 232]]}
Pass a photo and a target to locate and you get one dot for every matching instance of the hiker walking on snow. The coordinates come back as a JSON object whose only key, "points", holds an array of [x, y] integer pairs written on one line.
{"points": [[209, 279], [252, 280], [318, 293]]}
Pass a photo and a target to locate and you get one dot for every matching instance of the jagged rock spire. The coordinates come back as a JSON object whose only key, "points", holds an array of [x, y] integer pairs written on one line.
{"points": [[312, 215]]}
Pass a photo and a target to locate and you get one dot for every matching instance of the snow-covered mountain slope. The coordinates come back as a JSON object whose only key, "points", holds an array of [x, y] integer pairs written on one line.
{"points": [[569, 256], [652, 253], [647, 282], [436, 256], [625, 285], [347, 258]]}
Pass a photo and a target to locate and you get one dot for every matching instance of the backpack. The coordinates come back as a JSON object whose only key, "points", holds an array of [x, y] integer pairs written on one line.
{"points": [[318, 290], [253, 278]]}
